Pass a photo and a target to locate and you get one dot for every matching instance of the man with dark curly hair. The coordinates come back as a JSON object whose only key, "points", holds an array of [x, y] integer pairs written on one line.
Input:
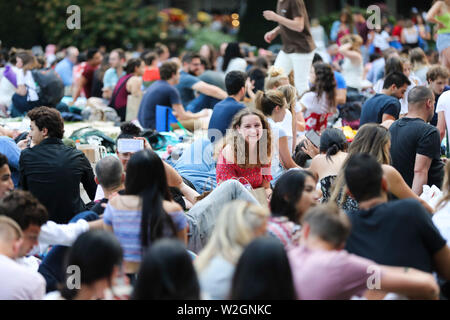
{"points": [[52, 171]]}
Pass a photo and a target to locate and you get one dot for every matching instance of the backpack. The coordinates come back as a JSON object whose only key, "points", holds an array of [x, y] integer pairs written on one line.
{"points": [[89, 133], [50, 87]]}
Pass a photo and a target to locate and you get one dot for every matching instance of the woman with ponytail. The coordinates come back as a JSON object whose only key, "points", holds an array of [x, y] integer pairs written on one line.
{"points": [[146, 212], [326, 165], [273, 105]]}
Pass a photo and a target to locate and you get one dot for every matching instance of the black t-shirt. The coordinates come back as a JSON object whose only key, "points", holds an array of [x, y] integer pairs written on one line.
{"points": [[374, 108], [411, 136], [396, 233]]}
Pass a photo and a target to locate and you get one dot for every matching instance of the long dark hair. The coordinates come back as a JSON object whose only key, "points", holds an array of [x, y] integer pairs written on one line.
{"points": [[232, 51], [325, 83], [263, 272], [167, 273], [146, 178], [96, 253], [332, 141], [285, 196]]}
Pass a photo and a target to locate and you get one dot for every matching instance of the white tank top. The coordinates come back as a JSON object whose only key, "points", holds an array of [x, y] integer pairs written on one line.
{"points": [[353, 73]]}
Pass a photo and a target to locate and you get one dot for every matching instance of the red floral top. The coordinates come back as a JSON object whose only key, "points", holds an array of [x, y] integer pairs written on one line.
{"points": [[254, 176]]}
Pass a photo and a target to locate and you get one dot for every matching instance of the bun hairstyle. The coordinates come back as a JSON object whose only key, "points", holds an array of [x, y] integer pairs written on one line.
{"points": [[268, 101], [275, 77], [332, 141]]}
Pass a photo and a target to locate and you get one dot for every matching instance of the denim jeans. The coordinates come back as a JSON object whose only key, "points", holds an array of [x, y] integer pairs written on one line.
{"points": [[202, 102], [300, 63], [20, 106], [52, 267], [203, 215]]}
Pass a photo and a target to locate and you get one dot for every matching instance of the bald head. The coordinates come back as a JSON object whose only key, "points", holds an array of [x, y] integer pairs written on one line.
{"points": [[109, 172], [72, 54], [418, 97]]}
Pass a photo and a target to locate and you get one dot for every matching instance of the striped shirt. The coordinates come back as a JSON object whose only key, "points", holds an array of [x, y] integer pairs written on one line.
{"points": [[284, 230], [126, 225]]}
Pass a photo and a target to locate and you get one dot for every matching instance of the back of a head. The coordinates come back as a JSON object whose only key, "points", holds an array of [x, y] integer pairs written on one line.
{"points": [[235, 227], [275, 78], [23, 208], [417, 57], [393, 64], [285, 198], [317, 58], [263, 272], [328, 223], [397, 78], [9, 230], [149, 58], [363, 165], [235, 81], [96, 253], [372, 138], [332, 141], [167, 273], [109, 172], [300, 156], [132, 64], [389, 52], [290, 94], [269, 100], [168, 69], [418, 96], [50, 118]]}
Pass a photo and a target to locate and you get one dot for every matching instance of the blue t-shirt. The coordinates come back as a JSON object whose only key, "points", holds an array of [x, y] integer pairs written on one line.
{"points": [[64, 68], [11, 151], [374, 108], [340, 81], [222, 116], [159, 93], [185, 85]]}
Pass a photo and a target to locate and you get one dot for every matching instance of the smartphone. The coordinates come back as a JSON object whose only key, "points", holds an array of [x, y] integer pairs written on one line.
{"points": [[313, 137], [129, 145]]}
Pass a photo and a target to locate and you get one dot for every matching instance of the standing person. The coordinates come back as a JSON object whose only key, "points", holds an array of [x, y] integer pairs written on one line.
{"points": [[410, 35], [415, 144], [437, 78], [114, 73], [94, 59], [298, 45], [52, 171], [129, 84], [26, 96], [440, 14]]}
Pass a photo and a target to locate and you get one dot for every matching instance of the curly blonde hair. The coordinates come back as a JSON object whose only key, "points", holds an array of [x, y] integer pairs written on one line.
{"points": [[275, 78]]}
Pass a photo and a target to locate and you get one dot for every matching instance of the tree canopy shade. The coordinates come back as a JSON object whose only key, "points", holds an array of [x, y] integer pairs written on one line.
{"points": [[114, 23]]}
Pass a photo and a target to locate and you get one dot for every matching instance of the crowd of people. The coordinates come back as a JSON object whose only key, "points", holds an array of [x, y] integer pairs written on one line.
{"points": [[272, 198]]}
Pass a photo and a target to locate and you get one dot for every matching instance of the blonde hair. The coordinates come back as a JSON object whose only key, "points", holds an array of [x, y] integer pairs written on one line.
{"points": [[274, 78], [236, 227], [9, 229], [355, 40], [267, 101], [240, 145]]}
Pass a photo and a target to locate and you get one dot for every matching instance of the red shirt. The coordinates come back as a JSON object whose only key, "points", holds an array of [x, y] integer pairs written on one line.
{"points": [[151, 75], [254, 176], [88, 73], [397, 31]]}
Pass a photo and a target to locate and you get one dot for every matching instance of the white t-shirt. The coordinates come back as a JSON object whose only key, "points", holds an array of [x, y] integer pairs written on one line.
{"points": [[286, 124], [236, 64], [19, 283], [443, 104], [380, 40], [441, 220], [28, 81], [313, 104], [277, 133]]}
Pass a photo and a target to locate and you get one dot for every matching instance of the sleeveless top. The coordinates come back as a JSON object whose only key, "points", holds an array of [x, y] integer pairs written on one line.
{"points": [[352, 73], [445, 19], [120, 93]]}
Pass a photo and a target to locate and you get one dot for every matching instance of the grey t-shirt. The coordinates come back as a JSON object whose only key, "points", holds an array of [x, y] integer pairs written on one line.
{"points": [[215, 279]]}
